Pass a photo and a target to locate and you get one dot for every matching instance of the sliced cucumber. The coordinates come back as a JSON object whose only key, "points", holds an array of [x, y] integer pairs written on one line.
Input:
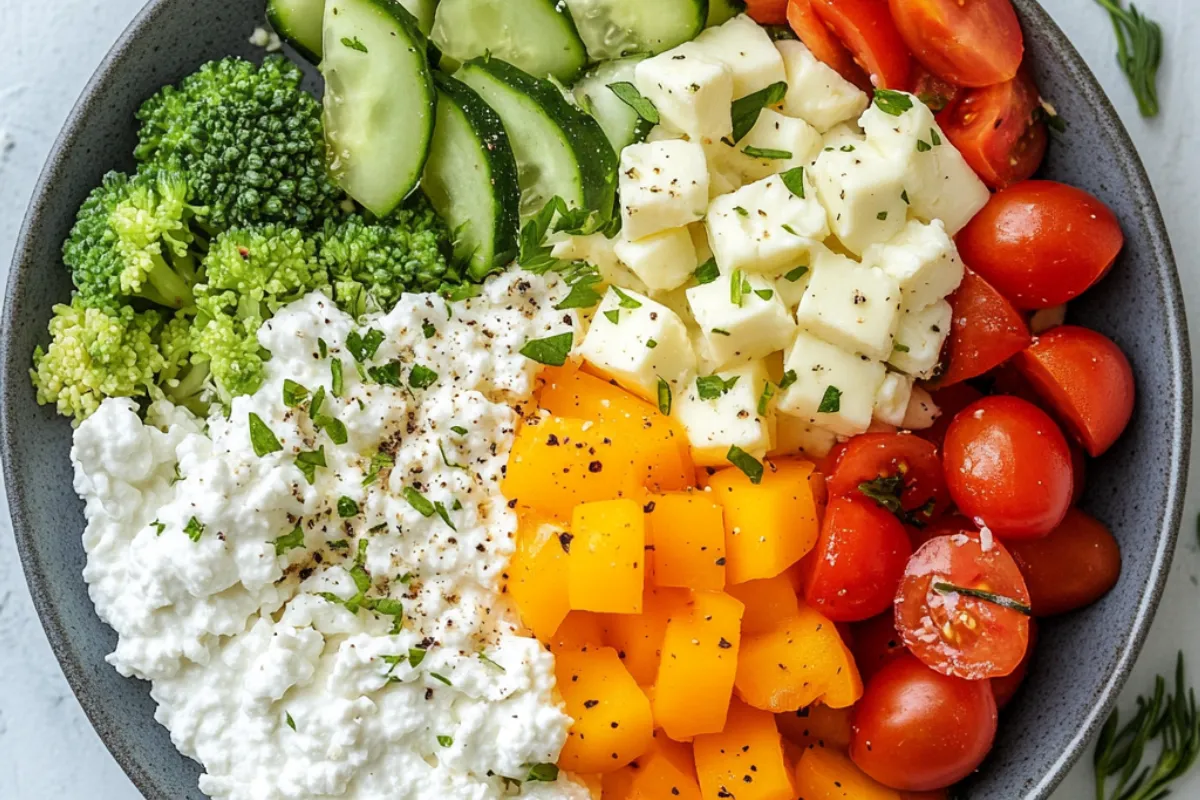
{"points": [[617, 28], [471, 178], [299, 23], [559, 149], [536, 36], [721, 11], [621, 124], [379, 100], [424, 11]]}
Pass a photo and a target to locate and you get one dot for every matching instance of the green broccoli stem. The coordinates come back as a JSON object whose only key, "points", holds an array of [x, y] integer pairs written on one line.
{"points": [[171, 288], [187, 391]]}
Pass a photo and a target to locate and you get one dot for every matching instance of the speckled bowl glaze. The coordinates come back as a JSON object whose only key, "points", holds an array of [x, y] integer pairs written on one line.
{"points": [[1083, 659]]}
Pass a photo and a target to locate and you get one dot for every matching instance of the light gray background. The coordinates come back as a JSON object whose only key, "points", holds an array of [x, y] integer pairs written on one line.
{"points": [[48, 50]]}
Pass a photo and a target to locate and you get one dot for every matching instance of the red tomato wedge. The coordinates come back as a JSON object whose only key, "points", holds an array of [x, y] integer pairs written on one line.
{"points": [[1005, 688], [932, 90], [859, 558], [995, 130], [1042, 243], [823, 44], [985, 331], [917, 730], [1071, 568], [884, 465], [1086, 380], [964, 611], [865, 27], [967, 42], [767, 12]]}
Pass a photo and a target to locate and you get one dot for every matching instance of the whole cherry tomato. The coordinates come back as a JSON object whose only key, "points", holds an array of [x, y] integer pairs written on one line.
{"points": [[997, 132], [1071, 568], [976, 43], [823, 44], [865, 27], [985, 331], [876, 642], [963, 609], [1005, 688], [1041, 243], [1085, 379], [1008, 467], [900, 465], [859, 559], [918, 730]]}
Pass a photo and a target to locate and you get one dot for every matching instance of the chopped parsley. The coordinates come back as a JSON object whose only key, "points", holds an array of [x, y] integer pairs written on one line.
{"points": [[793, 179], [422, 377], [308, 462], [831, 402], [789, 378], [445, 741], [891, 102], [542, 773], [446, 460], [347, 507], [416, 655], [379, 462], [337, 379], [745, 111], [261, 438], [796, 274], [767, 153], [441, 678], [664, 397], [707, 272], [750, 466], [419, 501], [290, 541], [386, 375], [293, 393], [764, 399], [354, 44], [613, 315], [194, 529], [625, 300], [291, 723], [628, 94], [428, 329], [459, 429], [440, 508], [551, 351], [711, 387], [363, 347]]}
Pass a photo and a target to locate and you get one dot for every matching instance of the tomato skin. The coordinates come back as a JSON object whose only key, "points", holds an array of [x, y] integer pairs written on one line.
{"points": [[876, 455], [876, 642], [1042, 243], [824, 45], [933, 91], [1005, 688], [1073, 567], [865, 27], [978, 43], [860, 557], [945, 525], [1078, 473], [949, 401], [985, 331], [956, 634], [996, 131], [767, 12], [1008, 465], [918, 730], [1086, 380]]}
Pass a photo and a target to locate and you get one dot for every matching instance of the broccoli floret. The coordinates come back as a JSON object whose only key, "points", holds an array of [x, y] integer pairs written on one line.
{"points": [[181, 381], [96, 352], [372, 262], [137, 237], [250, 139]]}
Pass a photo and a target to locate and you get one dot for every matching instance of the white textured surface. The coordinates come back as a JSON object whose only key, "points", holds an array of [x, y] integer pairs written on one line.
{"points": [[49, 48]]}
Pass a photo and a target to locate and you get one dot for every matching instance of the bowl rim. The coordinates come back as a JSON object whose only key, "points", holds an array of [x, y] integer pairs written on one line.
{"points": [[1112, 131]]}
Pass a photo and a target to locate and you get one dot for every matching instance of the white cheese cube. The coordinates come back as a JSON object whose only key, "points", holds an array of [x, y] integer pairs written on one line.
{"points": [[843, 135], [792, 284], [598, 250], [757, 324], [721, 411], [699, 234], [660, 133], [747, 50], [922, 412], [863, 193], [853, 306], [636, 341], [663, 261], [692, 91], [816, 93], [773, 135], [795, 435], [891, 402], [765, 228], [923, 259], [827, 377], [663, 185], [919, 339], [939, 182]]}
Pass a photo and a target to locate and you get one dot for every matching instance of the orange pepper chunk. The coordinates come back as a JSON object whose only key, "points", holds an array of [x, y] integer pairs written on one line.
{"points": [[817, 726], [581, 630], [824, 774], [767, 601], [638, 638], [608, 557], [688, 531], [745, 760], [664, 772], [613, 724], [537, 575]]}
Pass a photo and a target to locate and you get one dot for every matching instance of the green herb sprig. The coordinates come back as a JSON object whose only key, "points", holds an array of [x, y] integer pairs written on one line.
{"points": [[1139, 52]]}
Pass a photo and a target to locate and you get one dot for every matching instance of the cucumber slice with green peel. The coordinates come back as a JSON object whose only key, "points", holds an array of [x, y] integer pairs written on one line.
{"points": [[536, 36], [721, 11], [471, 178], [622, 125], [379, 101], [560, 150], [424, 11], [300, 22], [617, 28]]}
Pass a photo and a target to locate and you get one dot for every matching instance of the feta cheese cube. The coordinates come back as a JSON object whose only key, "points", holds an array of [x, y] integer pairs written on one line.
{"points": [[663, 261], [795, 435], [939, 182], [891, 402], [699, 234], [846, 134], [598, 250], [919, 339], [816, 93], [923, 259], [852, 306], [747, 50], [663, 185], [721, 411], [827, 377], [765, 228], [692, 91], [792, 284], [636, 341], [773, 134], [740, 324], [863, 193]]}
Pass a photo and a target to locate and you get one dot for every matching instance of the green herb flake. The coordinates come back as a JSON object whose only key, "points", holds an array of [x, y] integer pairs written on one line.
{"points": [[904, 197], [923, 146], [337, 382], [741, 211], [707, 272], [789, 378], [721, 332], [625, 300], [416, 655], [347, 507], [294, 394], [882, 215], [422, 377], [750, 466], [428, 329], [613, 315], [764, 399], [459, 429], [711, 387], [767, 153], [290, 541], [446, 460], [440, 678], [484, 658], [551, 351], [542, 773], [194, 529], [364, 347], [628, 94], [262, 439], [354, 44], [944, 588], [440, 508], [737, 288], [831, 402], [291, 723], [308, 462], [583, 294], [793, 179], [745, 112], [664, 397], [651, 343], [386, 375], [933, 137], [419, 501], [900, 348], [796, 274], [333, 427], [323, 348], [339, 544], [891, 102], [847, 148], [318, 400], [159, 527], [445, 741], [765, 294], [379, 462]]}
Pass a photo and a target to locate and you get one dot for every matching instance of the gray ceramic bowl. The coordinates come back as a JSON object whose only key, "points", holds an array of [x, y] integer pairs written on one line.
{"points": [[1137, 487]]}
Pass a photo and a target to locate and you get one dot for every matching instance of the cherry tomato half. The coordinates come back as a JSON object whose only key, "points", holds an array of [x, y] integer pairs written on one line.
{"points": [[932, 90], [876, 642], [900, 461], [918, 730], [976, 43], [859, 559], [985, 331], [995, 130], [823, 44], [865, 27], [1008, 465], [1086, 380], [1042, 243], [767, 12], [1071, 568], [1005, 688], [953, 631]]}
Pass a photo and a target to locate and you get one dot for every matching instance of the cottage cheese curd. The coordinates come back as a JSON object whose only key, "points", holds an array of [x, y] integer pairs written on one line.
{"points": [[263, 605]]}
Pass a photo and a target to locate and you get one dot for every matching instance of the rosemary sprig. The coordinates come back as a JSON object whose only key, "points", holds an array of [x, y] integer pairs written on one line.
{"points": [[941, 587], [1139, 52], [1170, 719]]}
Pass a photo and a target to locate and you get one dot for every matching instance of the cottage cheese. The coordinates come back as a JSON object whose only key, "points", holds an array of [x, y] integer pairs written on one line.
{"points": [[264, 668]]}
